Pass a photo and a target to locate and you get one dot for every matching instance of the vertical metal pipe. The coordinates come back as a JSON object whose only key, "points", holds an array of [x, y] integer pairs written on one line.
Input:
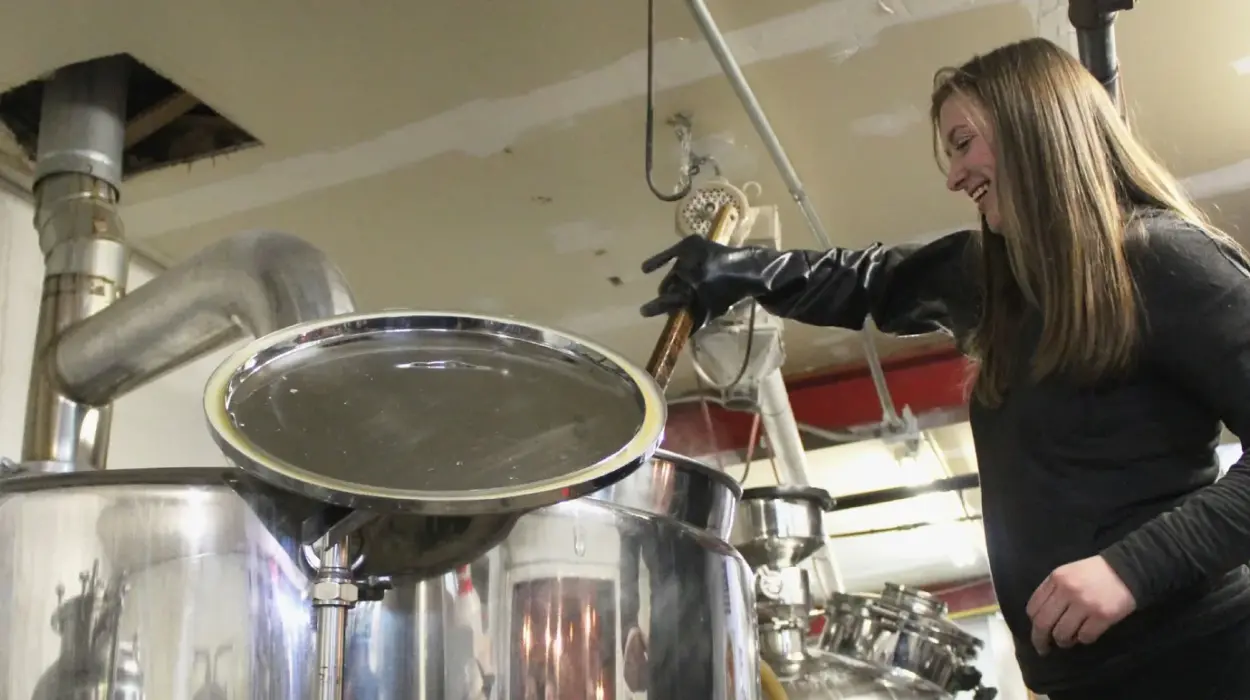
{"points": [[333, 596], [78, 173], [786, 444], [724, 56], [755, 112]]}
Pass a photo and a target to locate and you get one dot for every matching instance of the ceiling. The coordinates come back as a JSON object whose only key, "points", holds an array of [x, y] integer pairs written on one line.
{"points": [[487, 156]]}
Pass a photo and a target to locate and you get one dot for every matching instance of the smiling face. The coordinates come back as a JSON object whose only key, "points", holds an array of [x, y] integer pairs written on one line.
{"points": [[968, 145]]}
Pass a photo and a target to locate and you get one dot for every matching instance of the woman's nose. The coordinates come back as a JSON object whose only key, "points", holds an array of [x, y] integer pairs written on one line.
{"points": [[954, 179]]}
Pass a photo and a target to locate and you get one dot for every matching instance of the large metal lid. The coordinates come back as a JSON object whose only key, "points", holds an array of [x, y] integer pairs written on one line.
{"points": [[436, 413]]}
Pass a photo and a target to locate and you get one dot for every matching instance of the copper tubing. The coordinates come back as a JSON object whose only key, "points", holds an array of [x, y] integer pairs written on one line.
{"points": [[677, 331]]}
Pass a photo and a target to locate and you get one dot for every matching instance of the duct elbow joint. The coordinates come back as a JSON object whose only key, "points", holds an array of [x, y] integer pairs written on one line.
{"points": [[1093, 15]]}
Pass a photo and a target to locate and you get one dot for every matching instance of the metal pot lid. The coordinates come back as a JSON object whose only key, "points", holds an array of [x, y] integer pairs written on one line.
{"points": [[873, 607], [433, 413]]}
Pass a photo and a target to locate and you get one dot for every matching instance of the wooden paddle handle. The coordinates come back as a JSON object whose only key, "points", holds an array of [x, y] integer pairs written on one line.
{"points": [[677, 331]]}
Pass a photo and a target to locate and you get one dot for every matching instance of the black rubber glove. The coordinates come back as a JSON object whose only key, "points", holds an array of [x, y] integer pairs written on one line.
{"points": [[907, 289], [708, 278]]}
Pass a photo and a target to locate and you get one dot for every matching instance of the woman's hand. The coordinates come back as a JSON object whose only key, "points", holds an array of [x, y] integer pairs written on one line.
{"points": [[1078, 602], [707, 278]]}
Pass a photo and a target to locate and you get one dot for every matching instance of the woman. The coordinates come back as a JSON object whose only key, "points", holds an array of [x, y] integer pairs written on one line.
{"points": [[1110, 328]]}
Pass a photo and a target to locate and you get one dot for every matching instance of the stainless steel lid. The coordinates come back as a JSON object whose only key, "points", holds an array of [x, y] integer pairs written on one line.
{"points": [[882, 610], [434, 413], [913, 600]]}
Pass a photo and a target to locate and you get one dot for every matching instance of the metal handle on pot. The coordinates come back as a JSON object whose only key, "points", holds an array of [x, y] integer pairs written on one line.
{"points": [[677, 331]]}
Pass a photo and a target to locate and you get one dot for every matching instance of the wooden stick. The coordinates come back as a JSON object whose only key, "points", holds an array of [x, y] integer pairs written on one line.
{"points": [[677, 331]]}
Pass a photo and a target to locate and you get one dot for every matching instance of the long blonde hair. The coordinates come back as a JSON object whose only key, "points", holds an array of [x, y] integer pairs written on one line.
{"points": [[1071, 178]]}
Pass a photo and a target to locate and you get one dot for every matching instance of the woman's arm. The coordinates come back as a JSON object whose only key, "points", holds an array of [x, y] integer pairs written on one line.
{"points": [[907, 290], [1196, 295]]}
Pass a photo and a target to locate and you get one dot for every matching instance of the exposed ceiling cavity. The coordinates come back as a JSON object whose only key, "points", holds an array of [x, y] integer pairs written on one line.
{"points": [[166, 124]]}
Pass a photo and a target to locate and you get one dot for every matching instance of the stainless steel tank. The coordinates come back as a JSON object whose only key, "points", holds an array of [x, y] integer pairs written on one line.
{"points": [[903, 639], [776, 529], [167, 583], [825, 677], [633, 589], [191, 583]]}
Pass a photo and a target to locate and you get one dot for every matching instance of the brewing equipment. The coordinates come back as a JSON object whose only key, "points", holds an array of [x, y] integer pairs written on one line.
{"points": [[777, 528], [902, 638], [631, 588], [895, 645], [376, 453], [116, 585]]}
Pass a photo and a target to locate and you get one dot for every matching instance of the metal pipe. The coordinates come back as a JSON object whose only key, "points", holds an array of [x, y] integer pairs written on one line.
{"points": [[333, 596], [249, 284], [777, 416], [78, 166], [784, 439], [82, 125], [1094, 21], [733, 71], [755, 112], [961, 482], [890, 418]]}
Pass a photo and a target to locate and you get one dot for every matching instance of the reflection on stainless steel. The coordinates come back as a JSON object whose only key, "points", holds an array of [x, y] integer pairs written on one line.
{"points": [[619, 592], [595, 599], [913, 600], [826, 677], [203, 568], [433, 413], [93, 658], [904, 648], [567, 647], [193, 560], [211, 689]]}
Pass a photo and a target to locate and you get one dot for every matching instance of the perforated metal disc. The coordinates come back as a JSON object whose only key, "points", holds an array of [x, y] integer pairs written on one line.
{"points": [[697, 212], [437, 413]]}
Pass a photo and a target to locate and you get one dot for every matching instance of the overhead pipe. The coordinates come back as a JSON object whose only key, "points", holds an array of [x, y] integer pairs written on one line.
{"points": [[78, 171], [786, 445], [1094, 21], [961, 482], [755, 112], [93, 344], [247, 285]]}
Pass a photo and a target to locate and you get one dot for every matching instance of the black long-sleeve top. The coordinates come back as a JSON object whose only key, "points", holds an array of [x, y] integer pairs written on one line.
{"points": [[1126, 470]]}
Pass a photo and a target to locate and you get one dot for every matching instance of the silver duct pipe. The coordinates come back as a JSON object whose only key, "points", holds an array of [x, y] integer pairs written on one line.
{"points": [[247, 285], [93, 344], [755, 112], [78, 173]]}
